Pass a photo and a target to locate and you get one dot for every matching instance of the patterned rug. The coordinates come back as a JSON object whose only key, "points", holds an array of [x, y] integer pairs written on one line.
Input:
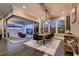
{"points": [[49, 48]]}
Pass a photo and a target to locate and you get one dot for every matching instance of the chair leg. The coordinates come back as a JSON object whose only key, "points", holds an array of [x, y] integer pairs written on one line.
{"points": [[51, 38], [37, 41], [44, 42]]}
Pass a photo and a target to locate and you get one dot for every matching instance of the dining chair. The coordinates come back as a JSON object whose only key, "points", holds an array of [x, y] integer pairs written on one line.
{"points": [[49, 36], [38, 38]]}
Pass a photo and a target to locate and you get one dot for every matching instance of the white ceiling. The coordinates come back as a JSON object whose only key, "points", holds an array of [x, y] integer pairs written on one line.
{"points": [[19, 20], [4, 9], [55, 9], [34, 9]]}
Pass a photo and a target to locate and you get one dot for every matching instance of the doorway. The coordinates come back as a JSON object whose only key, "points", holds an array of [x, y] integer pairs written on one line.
{"points": [[19, 29]]}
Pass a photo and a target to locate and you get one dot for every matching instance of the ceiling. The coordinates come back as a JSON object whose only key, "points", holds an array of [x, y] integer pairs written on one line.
{"points": [[37, 10], [57, 9], [19, 20], [54, 9], [34, 9], [4, 9]]}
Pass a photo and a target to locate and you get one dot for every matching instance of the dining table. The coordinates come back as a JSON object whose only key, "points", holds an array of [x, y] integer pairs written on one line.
{"points": [[43, 34]]}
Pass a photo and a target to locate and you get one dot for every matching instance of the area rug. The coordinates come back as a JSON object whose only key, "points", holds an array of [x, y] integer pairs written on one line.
{"points": [[49, 48]]}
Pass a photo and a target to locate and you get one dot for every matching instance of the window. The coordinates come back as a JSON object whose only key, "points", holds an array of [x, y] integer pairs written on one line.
{"points": [[61, 26], [36, 27], [15, 26], [29, 29], [52, 26]]}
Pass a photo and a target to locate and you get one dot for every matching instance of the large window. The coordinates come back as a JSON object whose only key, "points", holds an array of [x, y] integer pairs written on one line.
{"points": [[56, 26], [15, 26], [36, 27], [52, 26], [61, 26], [29, 29], [13, 29]]}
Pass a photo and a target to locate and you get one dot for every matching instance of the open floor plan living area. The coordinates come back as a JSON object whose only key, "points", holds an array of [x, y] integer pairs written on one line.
{"points": [[39, 29]]}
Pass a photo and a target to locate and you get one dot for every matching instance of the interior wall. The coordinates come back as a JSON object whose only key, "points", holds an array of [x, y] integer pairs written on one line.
{"points": [[75, 26]]}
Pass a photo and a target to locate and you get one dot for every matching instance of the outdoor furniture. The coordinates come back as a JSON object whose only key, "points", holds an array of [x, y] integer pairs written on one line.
{"points": [[21, 35]]}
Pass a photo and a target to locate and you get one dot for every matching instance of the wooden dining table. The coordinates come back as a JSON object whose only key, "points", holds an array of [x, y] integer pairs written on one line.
{"points": [[43, 34]]}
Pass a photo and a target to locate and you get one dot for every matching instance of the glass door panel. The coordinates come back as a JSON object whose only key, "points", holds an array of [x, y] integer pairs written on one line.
{"points": [[52, 26], [61, 26], [36, 27]]}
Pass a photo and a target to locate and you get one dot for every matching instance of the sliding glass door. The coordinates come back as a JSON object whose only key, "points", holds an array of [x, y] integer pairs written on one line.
{"points": [[29, 29], [61, 26], [57, 26], [36, 27], [53, 26]]}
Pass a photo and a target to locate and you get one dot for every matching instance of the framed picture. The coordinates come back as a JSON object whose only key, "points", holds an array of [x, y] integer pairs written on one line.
{"points": [[73, 15]]}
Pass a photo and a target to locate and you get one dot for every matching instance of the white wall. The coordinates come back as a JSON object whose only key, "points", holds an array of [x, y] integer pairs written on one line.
{"points": [[75, 26]]}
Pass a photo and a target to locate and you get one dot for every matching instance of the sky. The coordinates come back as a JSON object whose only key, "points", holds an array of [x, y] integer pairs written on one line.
{"points": [[52, 23]]}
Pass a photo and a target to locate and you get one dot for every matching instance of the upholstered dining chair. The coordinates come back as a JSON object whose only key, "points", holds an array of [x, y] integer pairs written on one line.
{"points": [[49, 36], [37, 37]]}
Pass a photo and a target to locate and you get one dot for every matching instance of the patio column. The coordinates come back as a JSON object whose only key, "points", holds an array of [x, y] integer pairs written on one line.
{"points": [[39, 25], [65, 25], [48, 25], [6, 30], [56, 26], [33, 27], [2, 28]]}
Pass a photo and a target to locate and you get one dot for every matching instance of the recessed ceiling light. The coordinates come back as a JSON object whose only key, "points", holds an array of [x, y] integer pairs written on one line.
{"points": [[73, 10], [63, 12], [23, 7]]}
